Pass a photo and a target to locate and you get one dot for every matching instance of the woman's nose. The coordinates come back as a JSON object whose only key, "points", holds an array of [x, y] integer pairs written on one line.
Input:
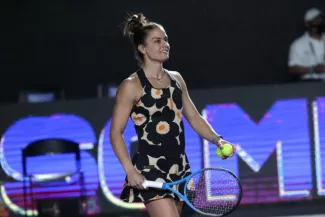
{"points": [[165, 44]]}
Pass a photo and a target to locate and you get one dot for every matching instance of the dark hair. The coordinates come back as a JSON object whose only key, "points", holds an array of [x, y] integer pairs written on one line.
{"points": [[137, 28]]}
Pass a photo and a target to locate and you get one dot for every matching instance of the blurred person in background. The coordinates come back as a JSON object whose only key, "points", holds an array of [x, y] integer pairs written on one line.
{"points": [[307, 53]]}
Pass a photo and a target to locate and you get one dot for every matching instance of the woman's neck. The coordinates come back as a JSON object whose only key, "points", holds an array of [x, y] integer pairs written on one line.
{"points": [[153, 70]]}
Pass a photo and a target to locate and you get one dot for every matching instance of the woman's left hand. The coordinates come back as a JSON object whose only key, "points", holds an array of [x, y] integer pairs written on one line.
{"points": [[222, 142]]}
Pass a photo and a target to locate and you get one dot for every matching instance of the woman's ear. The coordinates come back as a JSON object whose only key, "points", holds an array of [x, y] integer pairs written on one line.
{"points": [[142, 49]]}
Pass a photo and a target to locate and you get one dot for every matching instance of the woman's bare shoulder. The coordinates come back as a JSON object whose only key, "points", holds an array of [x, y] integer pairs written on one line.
{"points": [[130, 85], [176, 74], [131, 81], [178, 77]]}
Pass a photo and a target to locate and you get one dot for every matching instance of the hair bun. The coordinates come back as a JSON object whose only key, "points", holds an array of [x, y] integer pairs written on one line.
{"points": [[133, 23]]}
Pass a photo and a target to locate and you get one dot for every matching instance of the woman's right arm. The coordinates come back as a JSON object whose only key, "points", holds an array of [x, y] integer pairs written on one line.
{"points": [[125, 98]]}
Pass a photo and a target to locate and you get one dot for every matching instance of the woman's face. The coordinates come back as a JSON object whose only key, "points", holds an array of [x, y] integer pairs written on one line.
{"points": [[156, 46]]}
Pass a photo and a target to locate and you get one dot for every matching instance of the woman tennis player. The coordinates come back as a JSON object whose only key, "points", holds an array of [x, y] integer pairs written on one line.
{"points": [[155, 99]]}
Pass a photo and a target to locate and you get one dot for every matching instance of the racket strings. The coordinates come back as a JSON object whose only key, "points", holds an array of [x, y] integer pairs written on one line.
{"points": [[213, 192]]}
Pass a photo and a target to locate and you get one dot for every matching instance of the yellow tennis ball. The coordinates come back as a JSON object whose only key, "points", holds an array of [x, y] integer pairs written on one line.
{"points": [[227, 150], [219, 153]]}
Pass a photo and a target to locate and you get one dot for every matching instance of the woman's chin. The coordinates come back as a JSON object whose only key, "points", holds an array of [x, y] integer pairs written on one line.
{"points": [[165, 58]]}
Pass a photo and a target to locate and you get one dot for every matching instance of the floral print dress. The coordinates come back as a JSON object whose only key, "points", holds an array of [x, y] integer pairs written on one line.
{"points": [[157, 118]]}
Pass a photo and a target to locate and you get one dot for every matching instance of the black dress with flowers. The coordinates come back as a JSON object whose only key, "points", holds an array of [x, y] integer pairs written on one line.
{"points": [[157, 118]]}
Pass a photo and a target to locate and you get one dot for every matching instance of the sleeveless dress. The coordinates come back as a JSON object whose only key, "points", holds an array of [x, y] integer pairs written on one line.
{"points": [[157, 118]]}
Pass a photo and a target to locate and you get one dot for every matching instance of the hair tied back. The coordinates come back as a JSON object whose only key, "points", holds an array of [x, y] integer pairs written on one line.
{"points": [[134, 23]]}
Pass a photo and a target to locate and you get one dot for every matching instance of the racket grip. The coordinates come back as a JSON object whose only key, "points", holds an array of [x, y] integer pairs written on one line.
{"points": [[151, 184]]}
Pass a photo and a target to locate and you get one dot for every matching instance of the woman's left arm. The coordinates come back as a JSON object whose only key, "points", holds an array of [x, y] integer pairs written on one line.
{"points": [[198, 123]]}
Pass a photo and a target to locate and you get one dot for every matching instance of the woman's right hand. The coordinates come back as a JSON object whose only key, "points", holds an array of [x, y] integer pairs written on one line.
{"points": [[135, 179]]}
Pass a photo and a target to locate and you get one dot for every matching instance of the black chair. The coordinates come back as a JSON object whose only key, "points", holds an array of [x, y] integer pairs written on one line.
{"points": [[52, 147]]}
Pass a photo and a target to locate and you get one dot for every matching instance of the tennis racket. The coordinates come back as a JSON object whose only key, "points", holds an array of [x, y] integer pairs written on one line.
{"points": [[209, 191]]}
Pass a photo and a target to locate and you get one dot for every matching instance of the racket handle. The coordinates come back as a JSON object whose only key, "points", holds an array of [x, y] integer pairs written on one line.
{"points": [[151, 184]]}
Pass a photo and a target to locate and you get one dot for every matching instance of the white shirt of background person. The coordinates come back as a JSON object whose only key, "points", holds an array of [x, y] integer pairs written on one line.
{"points": [[307, 53]]}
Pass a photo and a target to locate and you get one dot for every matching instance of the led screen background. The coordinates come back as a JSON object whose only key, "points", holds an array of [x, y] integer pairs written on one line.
{"points": [[319, 128], [279, 133], [279, 138]]}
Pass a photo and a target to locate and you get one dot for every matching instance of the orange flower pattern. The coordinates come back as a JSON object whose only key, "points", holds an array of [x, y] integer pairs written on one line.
{"points": [[157, 118]]}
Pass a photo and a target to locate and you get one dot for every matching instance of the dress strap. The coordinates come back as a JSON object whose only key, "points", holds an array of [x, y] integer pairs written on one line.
{"points": [[171, 77], [143, 79], [174, 82]]}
